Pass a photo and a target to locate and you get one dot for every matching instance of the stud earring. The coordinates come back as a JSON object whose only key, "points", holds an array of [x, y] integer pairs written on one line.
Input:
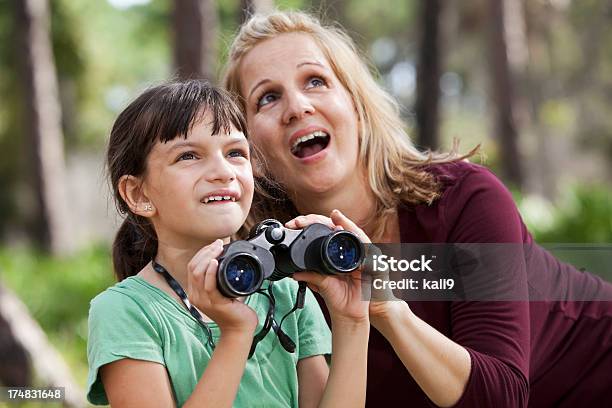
{"points": [[148, 207]]}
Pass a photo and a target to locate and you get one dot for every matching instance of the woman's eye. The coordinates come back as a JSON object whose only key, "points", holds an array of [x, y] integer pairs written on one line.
{"points": [[316, 82], [186, 156], [266, 99]]}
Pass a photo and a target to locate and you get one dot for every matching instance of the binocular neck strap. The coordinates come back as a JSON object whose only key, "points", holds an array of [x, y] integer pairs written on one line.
{"points": [[177, 288]]}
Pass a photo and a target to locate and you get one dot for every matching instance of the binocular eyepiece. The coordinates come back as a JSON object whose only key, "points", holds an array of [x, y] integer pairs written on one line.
{"points": [[274, 252]]}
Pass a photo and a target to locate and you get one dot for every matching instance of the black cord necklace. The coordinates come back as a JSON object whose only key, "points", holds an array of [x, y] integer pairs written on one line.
{"points": [[178, 289], [270, 323]]}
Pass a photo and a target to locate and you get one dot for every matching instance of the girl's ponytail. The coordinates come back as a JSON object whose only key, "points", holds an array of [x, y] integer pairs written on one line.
{"points": [[135, 245]]}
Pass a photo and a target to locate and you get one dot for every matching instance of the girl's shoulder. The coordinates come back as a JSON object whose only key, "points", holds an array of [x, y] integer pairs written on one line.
{"points": [[129, 290], [131, 299]]}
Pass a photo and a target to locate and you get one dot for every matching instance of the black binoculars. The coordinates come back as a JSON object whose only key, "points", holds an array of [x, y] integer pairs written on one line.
{"points": [[274, 252]]}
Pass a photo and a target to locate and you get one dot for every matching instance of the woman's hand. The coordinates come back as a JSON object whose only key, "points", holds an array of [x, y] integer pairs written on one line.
{"points": [[230, 314], [383, 305], [342, 293]]}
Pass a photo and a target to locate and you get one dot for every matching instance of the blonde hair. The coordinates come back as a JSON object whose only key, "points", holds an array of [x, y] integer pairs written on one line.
{"points": [[396, 170]]}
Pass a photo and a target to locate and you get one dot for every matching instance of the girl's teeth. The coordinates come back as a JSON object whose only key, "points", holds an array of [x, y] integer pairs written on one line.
{"points": [[219, 198]]}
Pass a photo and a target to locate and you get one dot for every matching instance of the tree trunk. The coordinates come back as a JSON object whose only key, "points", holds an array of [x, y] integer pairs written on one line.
{"points": [[428, 75], [15, 368], [251, 7], [506, 125], [20, 331], [195, 36], [43, 124]]}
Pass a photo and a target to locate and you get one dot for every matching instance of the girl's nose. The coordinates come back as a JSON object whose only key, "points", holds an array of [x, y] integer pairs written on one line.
{"points": [[220, 170]]}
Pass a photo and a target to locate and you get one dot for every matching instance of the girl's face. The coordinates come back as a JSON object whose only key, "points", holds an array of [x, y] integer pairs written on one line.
{"points": [[300, 115], [201, 187]]}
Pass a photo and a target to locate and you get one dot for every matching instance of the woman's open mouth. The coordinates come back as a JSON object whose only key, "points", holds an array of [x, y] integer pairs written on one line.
{"points": [[309, 145]]}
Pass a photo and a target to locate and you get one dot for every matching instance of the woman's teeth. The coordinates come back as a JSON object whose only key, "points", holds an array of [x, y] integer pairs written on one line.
{"points": [[306, 138], [219, 198]]}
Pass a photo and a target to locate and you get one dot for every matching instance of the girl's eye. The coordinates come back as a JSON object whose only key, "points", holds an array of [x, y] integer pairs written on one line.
{"points": [[266, 99], [315, 82], [186, 156], [238, 153]]}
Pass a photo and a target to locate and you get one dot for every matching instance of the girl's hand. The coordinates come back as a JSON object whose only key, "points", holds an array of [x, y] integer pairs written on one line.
{"points": [[342, 293], [230, 314]]}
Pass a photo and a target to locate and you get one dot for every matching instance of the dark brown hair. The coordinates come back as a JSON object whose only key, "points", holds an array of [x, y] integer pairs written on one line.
{"points": [[159, 114]]}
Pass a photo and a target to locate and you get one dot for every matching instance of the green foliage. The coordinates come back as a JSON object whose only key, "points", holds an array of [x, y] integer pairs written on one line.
{"points": [[57, 293], [583, 214]]}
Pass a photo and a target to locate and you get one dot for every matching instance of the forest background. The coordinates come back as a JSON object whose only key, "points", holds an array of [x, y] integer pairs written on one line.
{"points": [[529, 80]]}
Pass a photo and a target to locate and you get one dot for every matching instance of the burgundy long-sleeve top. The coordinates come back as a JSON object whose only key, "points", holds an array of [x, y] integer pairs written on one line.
{"points": [[536, 354]]}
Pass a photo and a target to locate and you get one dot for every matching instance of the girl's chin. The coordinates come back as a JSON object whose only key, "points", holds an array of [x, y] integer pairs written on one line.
{"points": [[220, 231]]}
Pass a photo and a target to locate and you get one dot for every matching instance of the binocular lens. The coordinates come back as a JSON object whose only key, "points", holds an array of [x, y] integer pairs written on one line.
{"points": [[243, 274], [344, 252]]}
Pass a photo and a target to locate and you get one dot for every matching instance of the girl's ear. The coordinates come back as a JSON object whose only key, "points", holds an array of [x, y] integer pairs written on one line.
{"points": [[130, 188]]}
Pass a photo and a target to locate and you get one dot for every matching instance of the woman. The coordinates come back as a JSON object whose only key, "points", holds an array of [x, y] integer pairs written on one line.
{"points": [[333, 139]]}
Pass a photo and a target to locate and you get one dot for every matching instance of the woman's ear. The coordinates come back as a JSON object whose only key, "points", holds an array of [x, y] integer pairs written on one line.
{"points": [[130, 188]]}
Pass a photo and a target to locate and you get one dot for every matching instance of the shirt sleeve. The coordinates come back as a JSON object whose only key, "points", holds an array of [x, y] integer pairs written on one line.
{"points": [[118, 329], [496, 334], [314, 334]]}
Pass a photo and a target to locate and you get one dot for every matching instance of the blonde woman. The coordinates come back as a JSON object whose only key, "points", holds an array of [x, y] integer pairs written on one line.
{"points": [[332, 139]]}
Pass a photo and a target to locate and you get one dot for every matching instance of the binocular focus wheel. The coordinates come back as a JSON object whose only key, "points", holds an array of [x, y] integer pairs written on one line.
{"points": [[257, 229]]}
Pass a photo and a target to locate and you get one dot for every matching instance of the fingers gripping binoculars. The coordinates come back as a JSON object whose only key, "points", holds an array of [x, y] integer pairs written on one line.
{"points": [[274, 252]]}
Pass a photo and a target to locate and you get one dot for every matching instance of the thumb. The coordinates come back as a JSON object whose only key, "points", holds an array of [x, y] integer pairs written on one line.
{"points": [[340, 219]]}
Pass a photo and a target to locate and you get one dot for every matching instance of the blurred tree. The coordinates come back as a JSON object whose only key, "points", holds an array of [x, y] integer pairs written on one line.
{"points": [[335, 10], [503, 90], [195, 35], [428, 74], [21, 332], [15, 368], [42, 122], [250, 7]]}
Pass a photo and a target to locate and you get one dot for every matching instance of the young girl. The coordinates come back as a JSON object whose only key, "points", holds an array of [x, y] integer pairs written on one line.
{"points": [[179, 164]]}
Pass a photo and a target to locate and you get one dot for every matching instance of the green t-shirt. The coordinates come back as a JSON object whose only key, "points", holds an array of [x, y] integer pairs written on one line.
{"points": [[137, 320]]}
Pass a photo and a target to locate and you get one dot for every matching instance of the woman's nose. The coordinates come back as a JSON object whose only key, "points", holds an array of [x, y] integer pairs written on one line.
{"points": [[297, 106]]}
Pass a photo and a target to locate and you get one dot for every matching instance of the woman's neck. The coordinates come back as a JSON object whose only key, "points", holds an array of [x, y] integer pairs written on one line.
{"points": [[357, 202]]}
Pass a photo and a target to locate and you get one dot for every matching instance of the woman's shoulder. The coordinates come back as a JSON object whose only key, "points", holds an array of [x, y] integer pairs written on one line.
{"points": [[469, 195], [459, 181], [452, 173]]}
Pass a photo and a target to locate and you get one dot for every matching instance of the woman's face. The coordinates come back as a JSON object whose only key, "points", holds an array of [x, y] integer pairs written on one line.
{"points": [[300, 116]]}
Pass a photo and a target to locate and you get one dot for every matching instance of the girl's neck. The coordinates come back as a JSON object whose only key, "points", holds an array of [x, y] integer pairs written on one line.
{"points": [[175, 258]]}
